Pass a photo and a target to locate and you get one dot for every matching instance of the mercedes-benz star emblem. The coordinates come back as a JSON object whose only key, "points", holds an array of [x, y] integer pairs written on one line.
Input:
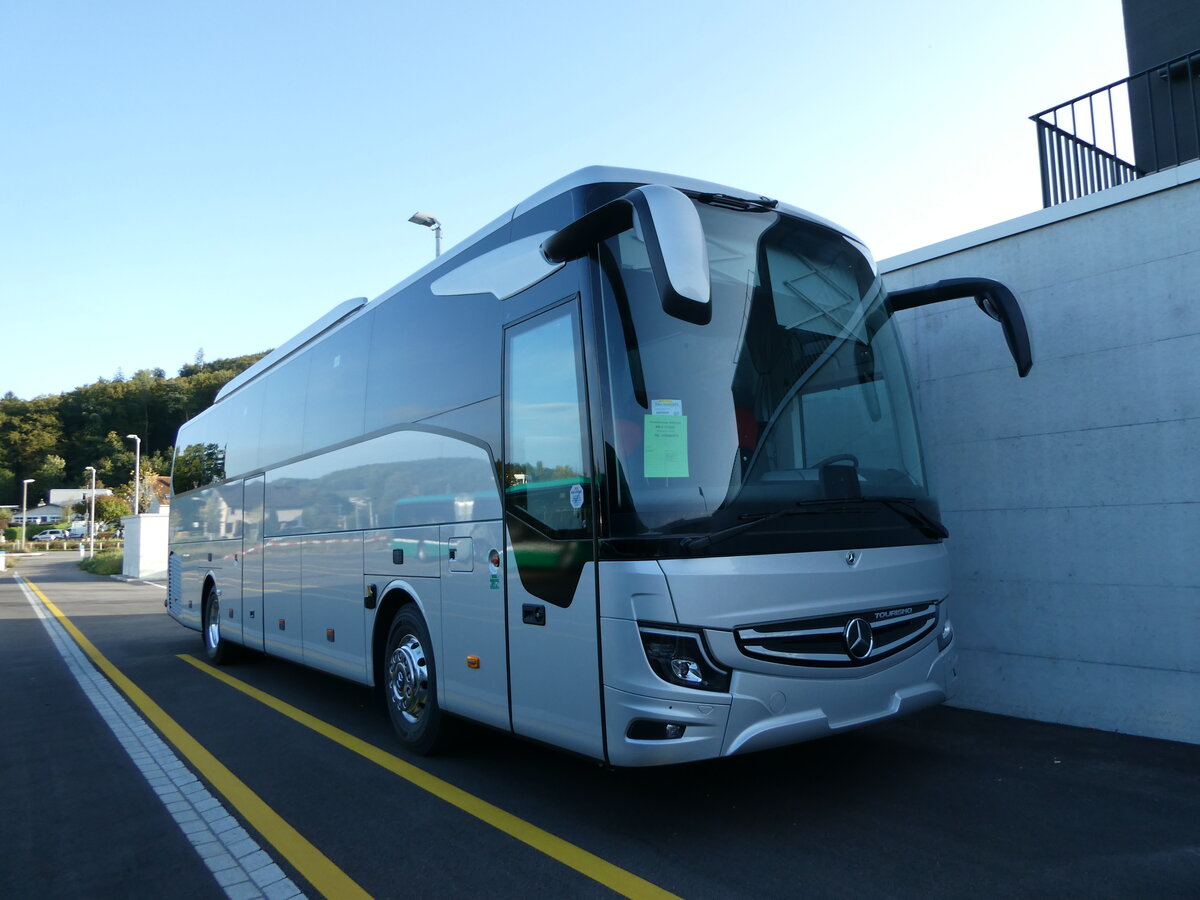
{"points": [[851, 558], [859, 638]]}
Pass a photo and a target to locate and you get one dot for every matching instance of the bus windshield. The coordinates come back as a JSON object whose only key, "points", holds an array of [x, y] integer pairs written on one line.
{"points": [[791, 407]]}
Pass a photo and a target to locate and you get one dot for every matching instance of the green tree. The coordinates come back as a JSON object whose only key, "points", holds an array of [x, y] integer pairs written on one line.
{"points": [[52, 473], [87, 426], [29, 431], [110, 508], [9, 491], [146, 493], [114, 460]]}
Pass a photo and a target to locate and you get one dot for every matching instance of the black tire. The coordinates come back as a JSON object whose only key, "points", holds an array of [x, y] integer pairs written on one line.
{"points": [[218, 650], [410, 684]]}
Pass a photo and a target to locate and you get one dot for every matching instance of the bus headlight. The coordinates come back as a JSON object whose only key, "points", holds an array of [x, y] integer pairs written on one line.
{"points": [[946, 629], [679, 657]]}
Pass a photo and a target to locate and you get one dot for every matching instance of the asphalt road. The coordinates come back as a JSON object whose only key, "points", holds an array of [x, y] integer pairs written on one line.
{"points": [[946, 803]]}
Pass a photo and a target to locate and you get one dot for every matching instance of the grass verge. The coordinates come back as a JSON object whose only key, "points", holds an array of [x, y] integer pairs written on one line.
{"points": [[106, 562]]}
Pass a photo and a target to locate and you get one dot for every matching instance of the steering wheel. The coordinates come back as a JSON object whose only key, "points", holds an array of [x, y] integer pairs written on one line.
{"points": [[837, 457]]}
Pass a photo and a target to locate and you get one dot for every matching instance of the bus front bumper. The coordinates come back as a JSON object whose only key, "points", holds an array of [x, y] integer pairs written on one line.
{"points": [[764, 711]]}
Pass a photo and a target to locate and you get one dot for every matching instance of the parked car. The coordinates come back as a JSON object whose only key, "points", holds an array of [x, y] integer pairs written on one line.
{"points": [[52, 534]]}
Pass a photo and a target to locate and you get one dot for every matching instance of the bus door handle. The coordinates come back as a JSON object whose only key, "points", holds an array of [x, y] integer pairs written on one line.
{"points": [[533, 614], [461, 555]]}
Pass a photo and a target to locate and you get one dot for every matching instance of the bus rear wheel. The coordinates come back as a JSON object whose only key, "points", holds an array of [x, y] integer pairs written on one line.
{"points": [[216, 648], [410, 685]]}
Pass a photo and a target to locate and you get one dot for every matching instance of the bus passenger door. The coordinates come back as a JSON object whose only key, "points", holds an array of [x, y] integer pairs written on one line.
{"points": [[548, 505], [252, 563]]}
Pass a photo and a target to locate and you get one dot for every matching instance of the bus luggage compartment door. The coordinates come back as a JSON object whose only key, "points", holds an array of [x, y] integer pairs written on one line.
{"points": [[473, 659], [252, 563]]}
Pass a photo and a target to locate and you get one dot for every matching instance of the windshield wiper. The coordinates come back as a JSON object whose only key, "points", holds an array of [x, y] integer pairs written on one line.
{"points": [[705, 540], [910, 512], [728, 201]]}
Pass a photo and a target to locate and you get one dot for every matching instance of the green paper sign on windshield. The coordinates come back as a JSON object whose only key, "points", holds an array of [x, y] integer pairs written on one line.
{"points": [[665, 447]]}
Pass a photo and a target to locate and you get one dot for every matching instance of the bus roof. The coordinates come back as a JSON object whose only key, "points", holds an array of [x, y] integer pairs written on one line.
{"points": [[590, 175]]}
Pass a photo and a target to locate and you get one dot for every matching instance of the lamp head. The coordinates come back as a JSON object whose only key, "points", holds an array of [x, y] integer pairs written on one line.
{"points": [[420, 218]]}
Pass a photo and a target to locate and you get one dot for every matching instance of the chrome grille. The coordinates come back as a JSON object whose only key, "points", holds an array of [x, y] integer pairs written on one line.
{"points": [[821, 641]]}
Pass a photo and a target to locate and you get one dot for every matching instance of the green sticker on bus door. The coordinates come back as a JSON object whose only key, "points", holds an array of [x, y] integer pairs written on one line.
{"points": [[665, 447]]}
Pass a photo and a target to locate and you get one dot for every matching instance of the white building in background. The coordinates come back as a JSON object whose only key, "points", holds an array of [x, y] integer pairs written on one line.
{"points": [[42, 514], [59, 507]]}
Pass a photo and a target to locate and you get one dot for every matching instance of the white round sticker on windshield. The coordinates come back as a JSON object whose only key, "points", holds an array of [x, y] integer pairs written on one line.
{"points": [[576, 496]]}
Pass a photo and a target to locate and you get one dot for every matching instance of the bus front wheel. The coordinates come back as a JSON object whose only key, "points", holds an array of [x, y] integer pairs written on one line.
{"points": [[410, 689]]}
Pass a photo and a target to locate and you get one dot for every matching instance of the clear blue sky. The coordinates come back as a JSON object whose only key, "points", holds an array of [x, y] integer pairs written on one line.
{"points": [[176, 176]]}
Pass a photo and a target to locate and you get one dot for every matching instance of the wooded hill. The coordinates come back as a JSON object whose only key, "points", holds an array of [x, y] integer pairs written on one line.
{"points": [[51, 439]]}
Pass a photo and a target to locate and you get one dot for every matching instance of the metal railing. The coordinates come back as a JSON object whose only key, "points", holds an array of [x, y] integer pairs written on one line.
{"points": [[1133, 127]]}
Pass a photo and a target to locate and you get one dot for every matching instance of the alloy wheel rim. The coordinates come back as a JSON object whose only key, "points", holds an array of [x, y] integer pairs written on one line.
{"points": [[214, 623], [408, 679]]}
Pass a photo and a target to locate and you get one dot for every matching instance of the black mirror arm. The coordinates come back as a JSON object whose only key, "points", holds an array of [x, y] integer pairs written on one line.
{"points": [[994, 298], [578, 238], [684, 292]]}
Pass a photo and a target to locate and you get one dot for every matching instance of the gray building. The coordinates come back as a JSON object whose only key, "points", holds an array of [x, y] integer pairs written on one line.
{"points": [[1162, 41]]}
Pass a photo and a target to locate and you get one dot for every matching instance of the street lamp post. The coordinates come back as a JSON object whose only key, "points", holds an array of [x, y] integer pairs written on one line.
{"points": [[420, 218], [91, 513], [137, 473], [24, 488]]}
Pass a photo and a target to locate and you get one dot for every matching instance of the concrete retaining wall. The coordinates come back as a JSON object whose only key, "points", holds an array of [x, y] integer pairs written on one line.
{"points": [[1073, 496]]}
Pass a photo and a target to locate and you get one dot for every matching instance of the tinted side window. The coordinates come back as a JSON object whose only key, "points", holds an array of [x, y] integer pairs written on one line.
{"points": [[398, 479], [199, 453], [337, 385], [212, 514], [283, 412], [242, 421], [431, 354]]}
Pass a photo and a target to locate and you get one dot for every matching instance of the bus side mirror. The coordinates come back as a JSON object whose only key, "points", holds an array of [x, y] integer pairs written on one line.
{"points": [[995, 299], [667, 221]]}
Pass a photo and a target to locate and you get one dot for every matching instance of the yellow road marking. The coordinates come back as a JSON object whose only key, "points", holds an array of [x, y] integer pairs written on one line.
{"points": [[617, 879], [307, 859]]}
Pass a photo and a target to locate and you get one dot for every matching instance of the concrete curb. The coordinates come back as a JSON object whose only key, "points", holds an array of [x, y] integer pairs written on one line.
{"points": [[129, 579]]}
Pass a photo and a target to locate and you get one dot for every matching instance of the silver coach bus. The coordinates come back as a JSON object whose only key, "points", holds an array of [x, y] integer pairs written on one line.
{"points": [[634, 471]]}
